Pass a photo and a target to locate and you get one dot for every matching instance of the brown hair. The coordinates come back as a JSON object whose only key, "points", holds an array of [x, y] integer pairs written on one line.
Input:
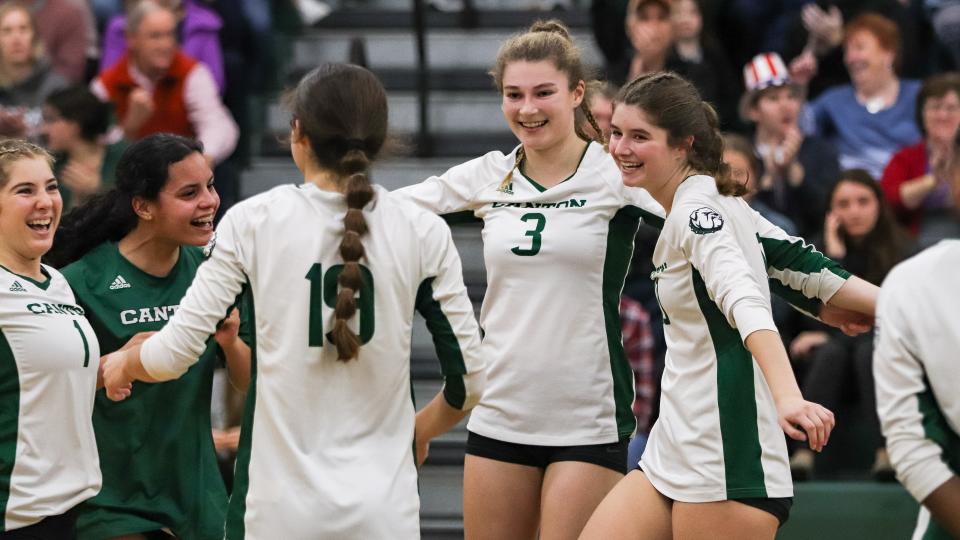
{"points": [[673, 104], [342, 110], [734, 142], [935, 86], [36, 46], [13, 150], [548, 40], [882, 28]]}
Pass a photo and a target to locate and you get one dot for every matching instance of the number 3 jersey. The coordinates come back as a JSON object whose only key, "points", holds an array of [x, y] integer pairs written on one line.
{"points": [[327, 446], [556, 260], [49, 357], [718, 436]]}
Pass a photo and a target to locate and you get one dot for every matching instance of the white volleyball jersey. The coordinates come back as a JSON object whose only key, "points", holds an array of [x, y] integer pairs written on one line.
{"points": [[49, 358], [718, 436], [916, 370], [556, 260], [326, 447]]}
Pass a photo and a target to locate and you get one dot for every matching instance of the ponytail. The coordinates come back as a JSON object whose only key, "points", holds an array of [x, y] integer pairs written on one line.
{"points": [[359, 192], [106, 217], [707, 155]]}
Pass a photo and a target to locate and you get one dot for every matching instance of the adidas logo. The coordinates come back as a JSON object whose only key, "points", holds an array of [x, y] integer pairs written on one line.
{"points": [[119, 283], [17, 287]]}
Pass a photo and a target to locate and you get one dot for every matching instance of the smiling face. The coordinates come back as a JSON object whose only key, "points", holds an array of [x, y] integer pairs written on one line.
{"points": [[941, 117], [776, 110], [866, 59], [184, 209], [30, 207], [538, 103], [857, 208], [641, 150], [16, 37]]}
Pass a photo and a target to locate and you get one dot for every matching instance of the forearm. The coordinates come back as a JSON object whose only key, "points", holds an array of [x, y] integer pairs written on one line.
{"points": [[943, 504], [767, 348], [437, 418], [856, 295], [913, 192], [238, 363], [133, 367]]}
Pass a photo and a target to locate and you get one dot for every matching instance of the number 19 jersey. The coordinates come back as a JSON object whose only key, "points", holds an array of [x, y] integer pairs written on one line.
{"points": [[326, 445], [556, 260]]}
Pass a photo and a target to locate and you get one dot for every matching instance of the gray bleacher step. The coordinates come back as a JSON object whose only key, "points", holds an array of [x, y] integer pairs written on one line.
{"points": [[450, 111], [441, 492], [440, 145], [395, 47], [401, 16], [266, 173]]}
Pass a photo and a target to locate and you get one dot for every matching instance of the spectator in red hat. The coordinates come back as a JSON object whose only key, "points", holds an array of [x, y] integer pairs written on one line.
{"points": [[795, 170]]}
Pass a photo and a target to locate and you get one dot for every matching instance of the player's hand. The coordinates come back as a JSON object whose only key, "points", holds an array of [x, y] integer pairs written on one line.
{"points": [[118, 383], [804, 420], [851, 323], [229, 330]]}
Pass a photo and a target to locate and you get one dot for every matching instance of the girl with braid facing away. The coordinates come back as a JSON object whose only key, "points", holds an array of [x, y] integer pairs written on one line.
{"points": [[336, 268], [130, 254]]}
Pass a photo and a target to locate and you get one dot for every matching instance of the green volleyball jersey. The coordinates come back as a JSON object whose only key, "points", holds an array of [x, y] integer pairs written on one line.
{"points": [[156, 449], [48, 375]]}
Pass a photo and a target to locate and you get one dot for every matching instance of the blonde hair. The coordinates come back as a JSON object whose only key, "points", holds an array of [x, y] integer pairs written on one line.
{"points": [[13, 150], [37, 52], [548, 40]]}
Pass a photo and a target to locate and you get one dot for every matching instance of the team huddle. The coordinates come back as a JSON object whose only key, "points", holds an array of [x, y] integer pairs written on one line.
{"points": [[307, 294]]}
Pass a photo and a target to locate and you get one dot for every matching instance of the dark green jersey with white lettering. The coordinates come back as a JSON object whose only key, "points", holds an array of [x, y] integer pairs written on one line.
{"points": [[156, 450]]}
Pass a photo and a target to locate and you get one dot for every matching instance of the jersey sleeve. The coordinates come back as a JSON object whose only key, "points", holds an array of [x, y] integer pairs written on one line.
{"points": [[909, 417], [451, 192], [715, 254], [798, 273], [442, 300], [170, 352]]}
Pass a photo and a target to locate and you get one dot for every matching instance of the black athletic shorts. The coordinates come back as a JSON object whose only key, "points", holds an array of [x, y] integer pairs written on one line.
{"points": [[611, 456], [61, 527], [778, 506]]}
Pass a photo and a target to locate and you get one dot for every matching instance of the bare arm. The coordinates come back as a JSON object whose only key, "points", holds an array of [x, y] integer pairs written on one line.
{"points": [[435, 419], [856, 295], [793, 411], [943, 504]]}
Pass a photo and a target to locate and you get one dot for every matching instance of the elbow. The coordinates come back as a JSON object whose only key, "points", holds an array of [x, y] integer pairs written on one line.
{"points": [[463, 392]]}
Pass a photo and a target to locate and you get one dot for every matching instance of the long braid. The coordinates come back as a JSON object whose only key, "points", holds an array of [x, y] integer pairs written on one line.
{"points": [[359, 192], [593, 123], [516, 164]]}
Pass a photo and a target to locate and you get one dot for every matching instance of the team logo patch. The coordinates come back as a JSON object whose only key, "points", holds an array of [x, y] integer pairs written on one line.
{"points": [[17, 287], [705, 220], [119, 283], [208, 249], [507, 189]]}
